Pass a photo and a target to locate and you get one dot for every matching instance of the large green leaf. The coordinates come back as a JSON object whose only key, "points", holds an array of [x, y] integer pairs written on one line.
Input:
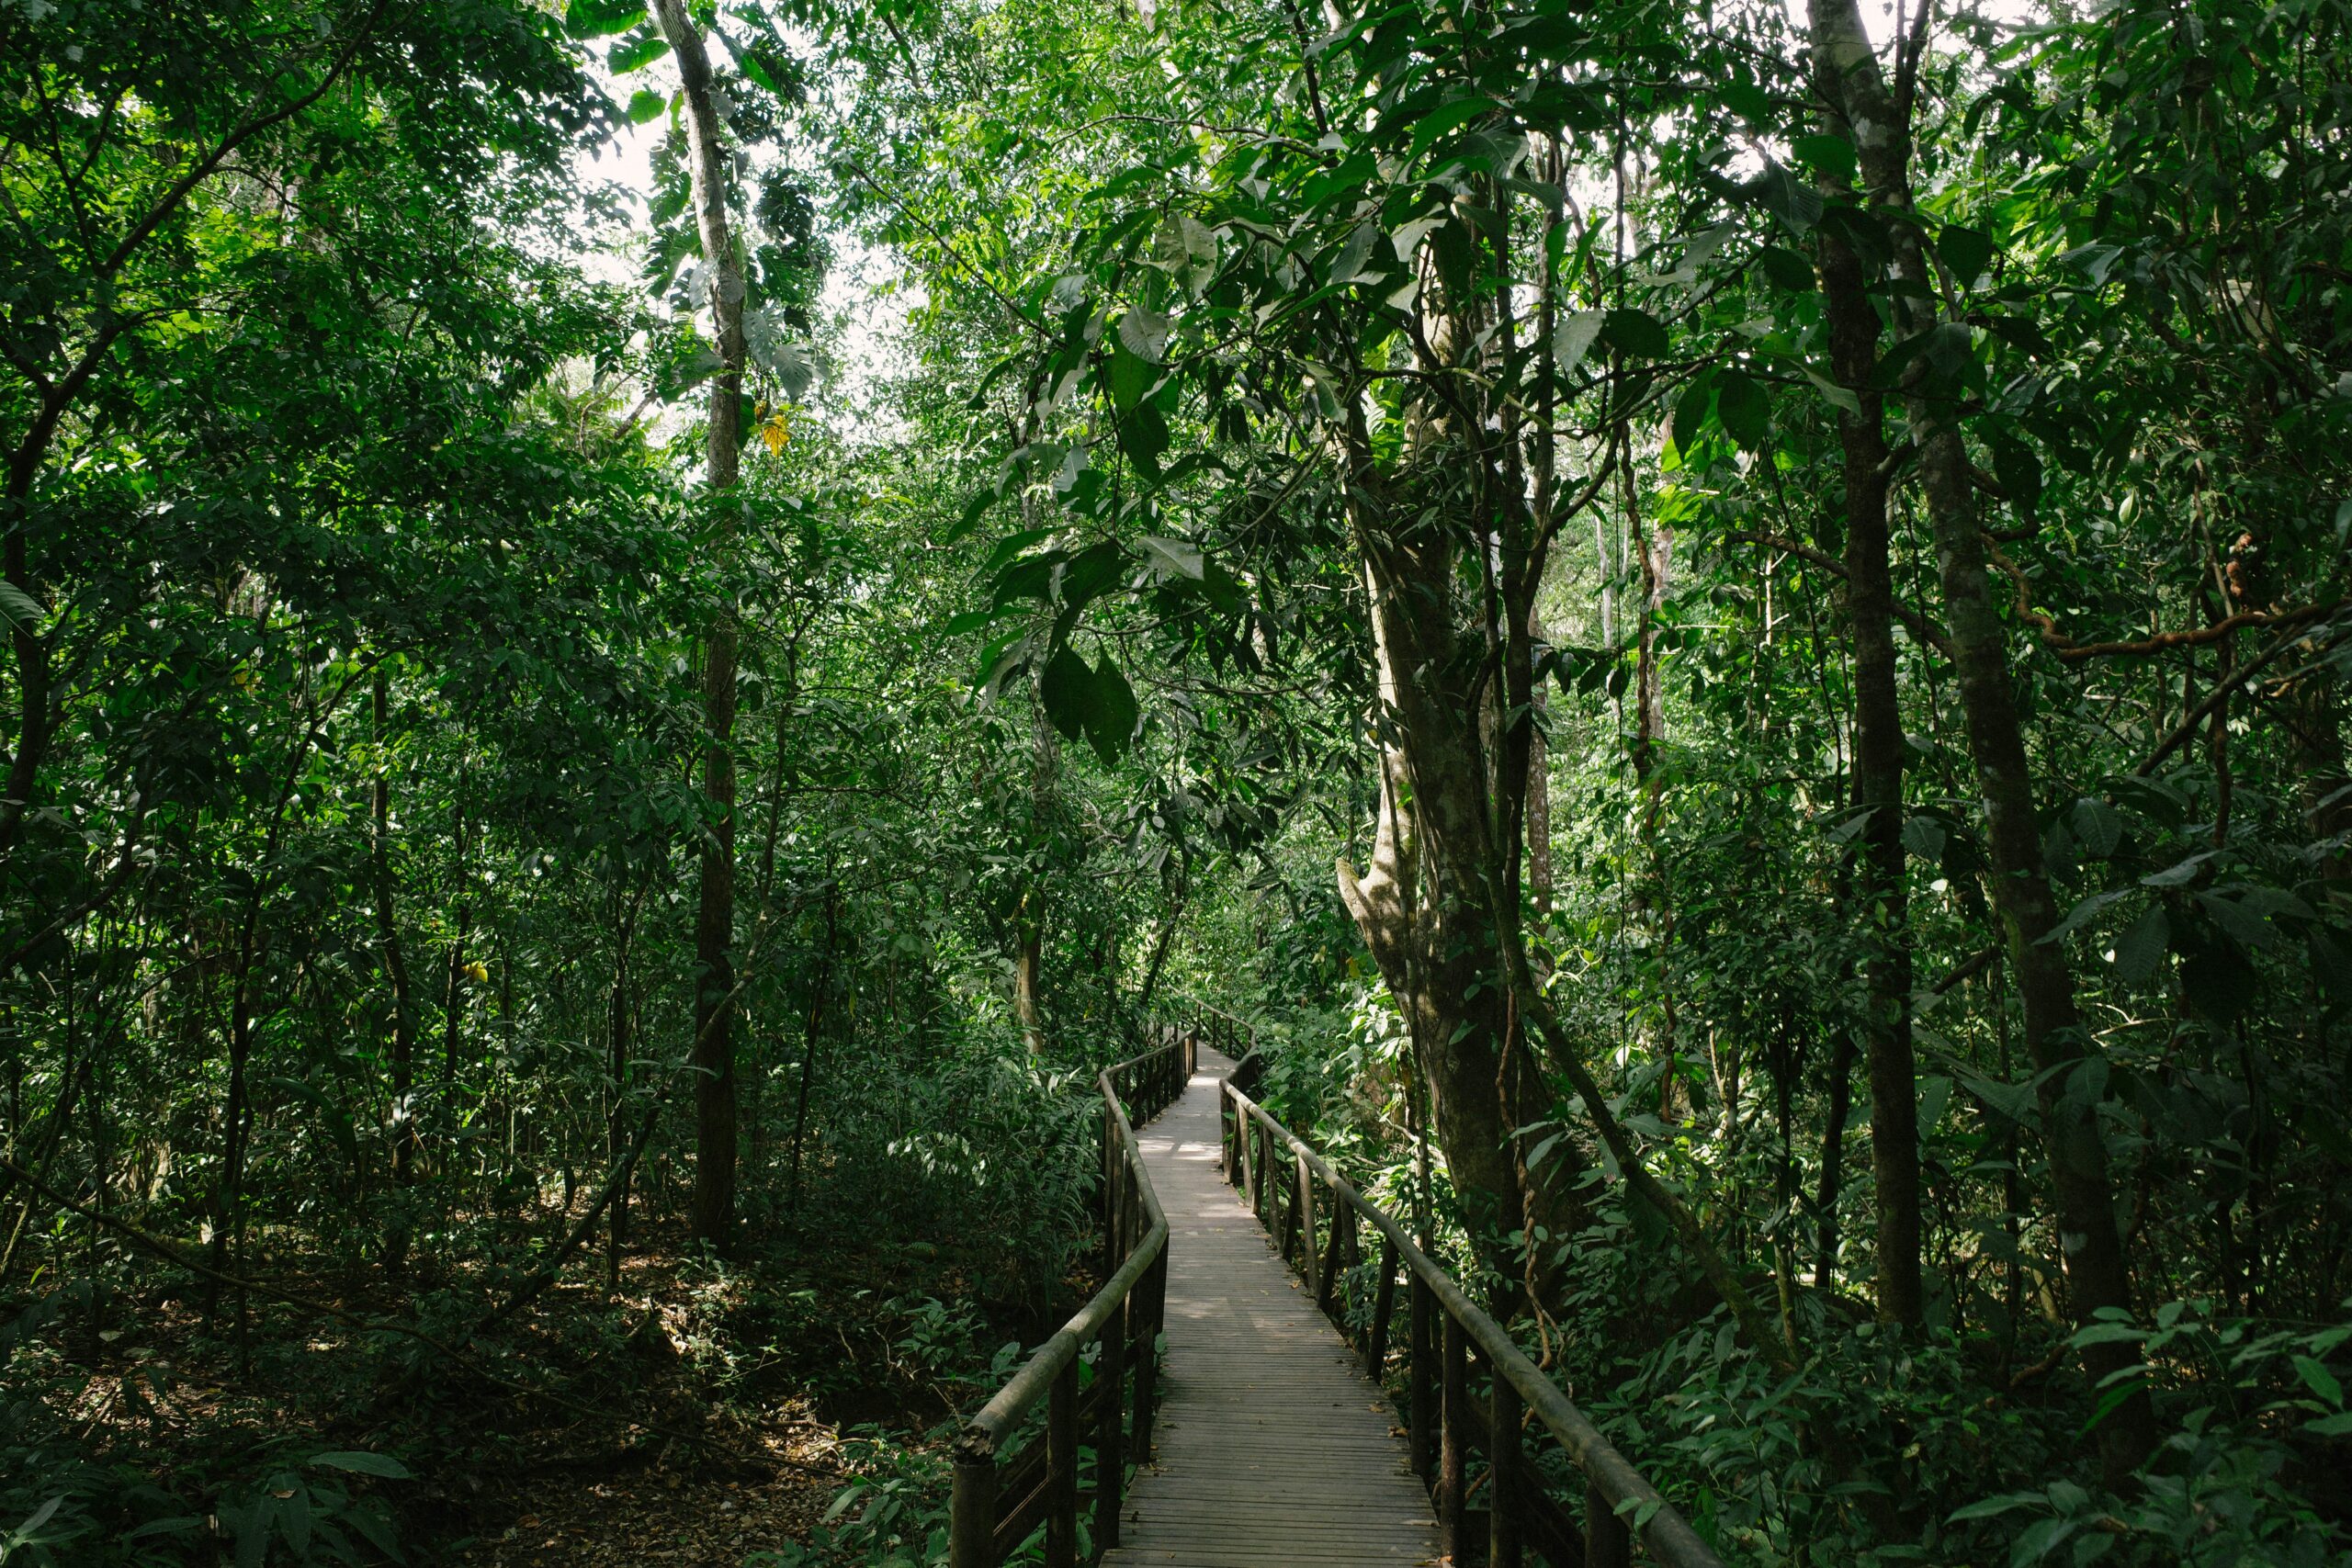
{"points": [[602, 19], [1745, 410], [635, 53], [1111, 716]]}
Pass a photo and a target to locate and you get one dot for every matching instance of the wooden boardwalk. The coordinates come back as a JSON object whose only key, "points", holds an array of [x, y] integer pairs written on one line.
{"points": [[1273, 1447]]}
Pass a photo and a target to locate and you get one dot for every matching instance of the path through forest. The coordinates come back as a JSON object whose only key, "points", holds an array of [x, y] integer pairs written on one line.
{"points": [[1273, 1444]]}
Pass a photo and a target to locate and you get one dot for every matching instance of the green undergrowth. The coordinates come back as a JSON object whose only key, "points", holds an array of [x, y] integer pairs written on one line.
{"points": [[1975, 1447]]}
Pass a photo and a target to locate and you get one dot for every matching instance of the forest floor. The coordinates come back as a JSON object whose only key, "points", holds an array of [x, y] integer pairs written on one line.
{"points": [[699, 1413]]}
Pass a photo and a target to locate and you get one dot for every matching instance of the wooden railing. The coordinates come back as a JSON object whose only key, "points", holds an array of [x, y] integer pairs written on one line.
{"points": [[1451, 1348], [1000, 1500]]}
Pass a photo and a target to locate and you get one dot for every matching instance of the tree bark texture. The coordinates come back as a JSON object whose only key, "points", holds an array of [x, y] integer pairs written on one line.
{"points": [[2091, 1243], [712, 1207], [1878, 788]]}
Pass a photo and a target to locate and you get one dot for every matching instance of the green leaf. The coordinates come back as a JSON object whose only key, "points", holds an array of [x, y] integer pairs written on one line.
{"points": [[2180, 874], [1745, 410], [1838, 397], [1966, 250], [2011, 1101], [1779, 192], [1065, 686], [1142, 436], [1173, 557], [1831, 155], [1144, 334], [1786, 269], [1747, 100], [2040, 1540], [1993, 1507], [1092, 570], [1634, 332], [635, 53], [974, 509], [970, 621], [2080, 915], [1111, 715], [2018, 467], [19, 609], [1690, 415], [645, 105], [2319, 1381], [2142, 946], [360, 1463], [2108, 1334], [2096, 824], [602, 19], [2336, 1426], [1574, 338], [1132, 375], [1444, 121]]}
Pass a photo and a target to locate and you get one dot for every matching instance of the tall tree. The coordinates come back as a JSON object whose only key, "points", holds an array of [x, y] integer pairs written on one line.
{"points": [[1854, 87], [712, 1214]]}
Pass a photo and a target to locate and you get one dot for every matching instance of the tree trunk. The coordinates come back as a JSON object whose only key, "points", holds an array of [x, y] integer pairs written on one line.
{"points": [[1028, 960], [1539, 796], [1424, 903], [453, 983], [387, 944], [1878, 788], [2097, 1272], [712, 1207], [813, 1033]]}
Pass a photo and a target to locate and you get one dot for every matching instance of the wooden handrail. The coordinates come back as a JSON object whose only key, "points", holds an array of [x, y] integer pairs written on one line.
{"points": [[1039, 1484], [1520, 1515]]}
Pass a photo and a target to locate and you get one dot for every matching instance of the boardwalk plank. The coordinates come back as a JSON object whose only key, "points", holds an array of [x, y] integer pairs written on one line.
{"points": [[1273, 1447]]}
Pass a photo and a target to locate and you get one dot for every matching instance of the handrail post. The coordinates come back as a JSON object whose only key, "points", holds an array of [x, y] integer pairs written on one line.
{"points": [[1248, 1152], [1110, 1458], [1153, 1285], [1383, 1307], [1420, 1376], [1334, 1263], [1302, 1219], [1223, 1135], [971, 1513], [1061, 1469], [1270, 1191], [1113, 1178], [1503, 1482], [1607, 1542], [1452, 1448]]}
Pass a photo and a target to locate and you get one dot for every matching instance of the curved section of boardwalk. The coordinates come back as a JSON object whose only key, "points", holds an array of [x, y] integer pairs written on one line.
{"points": [[1273, 1446]]}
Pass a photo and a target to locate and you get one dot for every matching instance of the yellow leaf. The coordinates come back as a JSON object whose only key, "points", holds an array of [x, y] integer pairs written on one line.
{"points": [[775, 432]]}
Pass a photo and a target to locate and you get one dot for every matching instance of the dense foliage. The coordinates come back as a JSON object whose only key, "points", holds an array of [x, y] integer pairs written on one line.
{"points": [[1799, 575]]}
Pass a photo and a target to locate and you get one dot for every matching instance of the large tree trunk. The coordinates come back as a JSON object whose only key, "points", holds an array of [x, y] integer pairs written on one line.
{"points": [[1878, 788], [1425, 903], [712, 1207], [2097, 1273]]}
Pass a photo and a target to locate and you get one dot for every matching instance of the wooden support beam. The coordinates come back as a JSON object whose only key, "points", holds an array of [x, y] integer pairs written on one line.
{"points": [[1110, 1447], [1454, 1436], [1061, 1460], [1421, 1380], [1504, 1478], [1607, 1542], [1384, 1303]]}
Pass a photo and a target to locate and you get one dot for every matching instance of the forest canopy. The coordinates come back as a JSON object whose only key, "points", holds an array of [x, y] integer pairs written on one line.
{"points": [[641, 632]]}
